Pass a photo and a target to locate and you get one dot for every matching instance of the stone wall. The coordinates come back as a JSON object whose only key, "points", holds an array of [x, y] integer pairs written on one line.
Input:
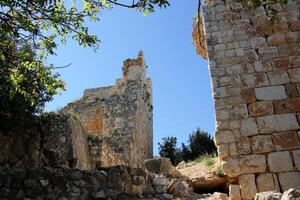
{"points": [[119, 117], [61, 183], [54, 140], [255, 72]]}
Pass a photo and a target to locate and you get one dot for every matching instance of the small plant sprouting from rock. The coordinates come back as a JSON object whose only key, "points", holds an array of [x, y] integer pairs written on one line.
{"points": [[219, 172]]}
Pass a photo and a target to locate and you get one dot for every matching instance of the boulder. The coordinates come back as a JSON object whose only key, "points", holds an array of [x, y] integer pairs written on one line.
{"points": [[291, 194], [162, 166], [181, 189], [270, 195]]}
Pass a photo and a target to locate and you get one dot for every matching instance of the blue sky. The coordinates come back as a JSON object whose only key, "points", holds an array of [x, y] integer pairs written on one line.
{"points": [[181, 84]]}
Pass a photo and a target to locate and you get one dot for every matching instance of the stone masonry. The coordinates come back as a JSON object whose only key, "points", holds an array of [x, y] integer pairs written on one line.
{"points": [[118, 118], [255, 72]]}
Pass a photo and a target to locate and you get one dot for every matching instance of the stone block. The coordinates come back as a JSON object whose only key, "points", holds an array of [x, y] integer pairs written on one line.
{"points": [[238, 112], [288, 105], [248, 186], [262, 144], [248, 127], [253, 164], [278, 77], [276, 39], [223, 151], [270, 93], [281, 63], [248, 95], [262, 66], [270, 195], [261, 108], [231, 166], [291, 90], [243, 145], [234, 192], [296, 156], [289, 180], [280, 162], [255, 80], [294, 75], [222, 114], [224, 137], [220, 92], [277, 123], [286, 140], [293, 37], [265, 182]]}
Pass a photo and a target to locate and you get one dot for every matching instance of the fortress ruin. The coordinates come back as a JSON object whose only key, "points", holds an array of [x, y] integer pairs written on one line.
{"points": [[255, 73]]}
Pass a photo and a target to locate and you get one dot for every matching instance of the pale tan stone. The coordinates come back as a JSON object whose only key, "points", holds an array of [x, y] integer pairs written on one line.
{"points": [[255, 80], [248, 186], [248, 127], [223, 151], [286, 140], [253, 164], [280, 162], [243, 145], [265, 182], [239, 112], [278, 77], [262, 144], [224, 137], [277, 123], [261, 108], [233, 149], [234, 192], [231, 166], [270, 93], [294, 75], [289, 180]]}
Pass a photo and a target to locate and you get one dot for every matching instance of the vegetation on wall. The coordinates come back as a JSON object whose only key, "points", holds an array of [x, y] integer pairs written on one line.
{"points": [[30, 30], [200, 144]]}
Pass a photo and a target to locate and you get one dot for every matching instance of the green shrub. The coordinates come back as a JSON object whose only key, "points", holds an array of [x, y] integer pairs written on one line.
{"points": [[219, 172]]}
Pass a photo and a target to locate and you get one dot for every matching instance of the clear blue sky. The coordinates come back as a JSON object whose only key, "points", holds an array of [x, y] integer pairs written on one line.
{"points": [[181, 82]]}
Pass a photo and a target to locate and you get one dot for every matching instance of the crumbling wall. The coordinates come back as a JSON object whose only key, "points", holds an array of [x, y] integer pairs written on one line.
{"points": [[54, 140], [255, 73], [120, 116]]}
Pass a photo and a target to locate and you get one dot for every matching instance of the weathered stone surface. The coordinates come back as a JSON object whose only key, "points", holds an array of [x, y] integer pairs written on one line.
{"points": [[280, 162], [265, 182], [296, 156], [261, 108], [248, 127], [234, 192], [270, 195], [224, 137], [289, 180], [160, 165], [262, 144], [270, 93], [247, 185], [231, 166], [253, 164], [181, 189], [277, 123], [286, 140]]}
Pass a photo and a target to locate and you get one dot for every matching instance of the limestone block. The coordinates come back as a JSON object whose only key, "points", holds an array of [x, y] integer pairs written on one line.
{"points": [[247, 185], [224, 137], [248, 95], [220, 92], [262, 66], [270, 93], [280, 162], [265, 182], [278, 77], [262, 144], [234, 192], [258, 42], [248, 127], [243, 145], [296, 156], [239, 112], [233, 149], [291, 90], [286, 140], [223, 151], [293, 37], [231, 166], [288, 105], [276, 39], [222, 114], [261, 108], [255, 80], [253, 164], [234, 124], [294, 75], [234, 69], [289, 180], [277, 123]]}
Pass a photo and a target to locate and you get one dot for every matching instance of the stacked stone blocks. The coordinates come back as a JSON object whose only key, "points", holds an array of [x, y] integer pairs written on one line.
{"points": [[255, 73]]}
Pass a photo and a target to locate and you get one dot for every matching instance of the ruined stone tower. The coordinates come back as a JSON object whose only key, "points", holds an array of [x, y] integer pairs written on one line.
{"points": [[118, 118], [255, 72]]}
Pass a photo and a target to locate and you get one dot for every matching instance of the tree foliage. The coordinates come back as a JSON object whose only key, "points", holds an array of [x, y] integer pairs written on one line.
{"points": [[167, 149], [30, 30], [199, 143]]}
